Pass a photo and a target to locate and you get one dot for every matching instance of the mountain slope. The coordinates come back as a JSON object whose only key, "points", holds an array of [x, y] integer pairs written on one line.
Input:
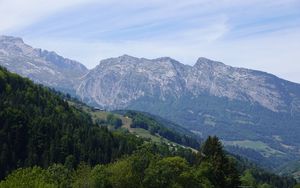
{"points": [[42, 66], [208, 98]]}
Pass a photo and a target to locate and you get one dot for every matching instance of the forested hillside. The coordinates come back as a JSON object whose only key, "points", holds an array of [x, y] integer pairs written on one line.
{"points": [[45, 142], [39, 128]]}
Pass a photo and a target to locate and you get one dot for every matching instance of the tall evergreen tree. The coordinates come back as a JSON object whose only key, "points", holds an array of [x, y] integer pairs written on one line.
{"points": [[225, 174]]}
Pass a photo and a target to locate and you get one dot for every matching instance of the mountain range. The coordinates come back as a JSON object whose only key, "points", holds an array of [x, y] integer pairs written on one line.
{"points": [[255, 113], [42, 66]]}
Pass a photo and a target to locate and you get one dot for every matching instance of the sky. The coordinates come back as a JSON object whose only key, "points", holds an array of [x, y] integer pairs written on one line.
{"points": [[257, 34]]}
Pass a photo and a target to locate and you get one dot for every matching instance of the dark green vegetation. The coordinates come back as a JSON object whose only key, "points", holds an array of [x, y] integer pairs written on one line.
{"points": [[45, 142], [39, 128], [149, 166]]}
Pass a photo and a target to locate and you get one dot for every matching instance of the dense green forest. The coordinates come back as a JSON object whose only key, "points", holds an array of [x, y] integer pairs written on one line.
{"points": [[45, 142], [39, 128]]}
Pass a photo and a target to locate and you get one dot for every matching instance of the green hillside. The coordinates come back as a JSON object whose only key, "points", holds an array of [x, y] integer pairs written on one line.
{"points": [[40, 128]]}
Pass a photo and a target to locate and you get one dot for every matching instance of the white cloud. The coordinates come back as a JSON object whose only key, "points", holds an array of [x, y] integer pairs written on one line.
{"points": [[16, 14]]}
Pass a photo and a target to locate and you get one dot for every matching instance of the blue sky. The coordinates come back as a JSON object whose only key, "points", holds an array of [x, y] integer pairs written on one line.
{"points": [[256, 34]]}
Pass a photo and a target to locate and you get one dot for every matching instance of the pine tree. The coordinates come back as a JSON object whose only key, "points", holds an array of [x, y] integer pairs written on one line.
{"points": [[224, 171]]}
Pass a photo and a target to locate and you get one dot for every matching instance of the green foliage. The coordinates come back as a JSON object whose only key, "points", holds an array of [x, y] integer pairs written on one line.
{"points": [[34, 177], [100, 177], [224, 169], [121, 174], [60, 175], [247, 179], [167, 172], [82, 175], [203, 173]]}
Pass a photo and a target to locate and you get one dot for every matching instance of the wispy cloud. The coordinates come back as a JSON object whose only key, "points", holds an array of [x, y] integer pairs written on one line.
{"points": [[17, 14], [259, 34]]}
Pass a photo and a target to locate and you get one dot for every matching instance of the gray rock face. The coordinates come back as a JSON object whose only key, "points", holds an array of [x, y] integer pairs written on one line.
{"points": [[237, 84], [41, 66], [116, 82]]}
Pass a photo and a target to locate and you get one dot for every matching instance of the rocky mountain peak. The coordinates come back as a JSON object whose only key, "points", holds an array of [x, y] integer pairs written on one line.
{"points": [[41, 66], [120, 61], [15, 45], [204, 62], [4, 38], [166, 59], [126, 57]]}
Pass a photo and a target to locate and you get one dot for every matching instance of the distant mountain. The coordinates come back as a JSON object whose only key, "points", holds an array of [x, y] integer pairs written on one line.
{"points": [[241, 106], [253, 112], [42, 66], [117, 82]]}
